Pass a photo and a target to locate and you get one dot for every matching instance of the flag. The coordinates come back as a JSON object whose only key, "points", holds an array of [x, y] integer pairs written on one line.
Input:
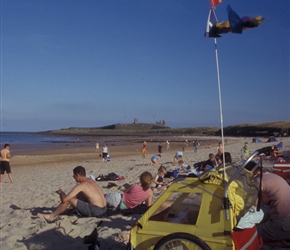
{"points": [[236, 22], [211, 21], [213, 3]]}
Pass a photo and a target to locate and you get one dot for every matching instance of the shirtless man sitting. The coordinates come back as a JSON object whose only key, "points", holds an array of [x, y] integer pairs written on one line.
{"points": [[86, 197]]}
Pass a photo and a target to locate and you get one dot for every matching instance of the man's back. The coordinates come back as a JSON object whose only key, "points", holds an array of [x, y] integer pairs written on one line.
{"points": [[5, 154], [92, 192], [275, 194]]}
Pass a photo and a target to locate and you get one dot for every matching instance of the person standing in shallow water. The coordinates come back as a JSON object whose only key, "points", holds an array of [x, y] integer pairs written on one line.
{"points": [[5, 163]]}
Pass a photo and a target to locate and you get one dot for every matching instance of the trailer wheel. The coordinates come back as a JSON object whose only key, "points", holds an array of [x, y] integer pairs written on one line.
{"points": [[181, 241]]}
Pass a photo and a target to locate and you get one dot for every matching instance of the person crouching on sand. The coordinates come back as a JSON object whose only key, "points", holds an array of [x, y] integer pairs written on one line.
{"points": [[86, 197], [155, 159]]}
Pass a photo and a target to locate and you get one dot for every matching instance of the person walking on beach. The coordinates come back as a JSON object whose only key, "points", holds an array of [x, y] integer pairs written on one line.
{"points": [[167, 145], [5, 164], [195, 145], [105, 152], [160, 148], [97, 147], [143, 151], [86, 197]]}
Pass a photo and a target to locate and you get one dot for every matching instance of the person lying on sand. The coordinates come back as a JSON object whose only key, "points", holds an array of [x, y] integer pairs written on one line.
{"points": [[86, 197], [133, 195]]}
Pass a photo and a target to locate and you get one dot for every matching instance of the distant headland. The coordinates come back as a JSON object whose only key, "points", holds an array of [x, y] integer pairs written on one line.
{"points": [[279, 128]]}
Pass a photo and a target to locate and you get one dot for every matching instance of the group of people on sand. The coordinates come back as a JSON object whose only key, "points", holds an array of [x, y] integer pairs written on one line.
{"points": [[88, 200]]}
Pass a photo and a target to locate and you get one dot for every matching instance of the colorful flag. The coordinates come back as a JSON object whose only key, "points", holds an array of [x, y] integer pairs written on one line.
{"points": [[236, 22], [234, 25], [211, 21], [213, 3]]}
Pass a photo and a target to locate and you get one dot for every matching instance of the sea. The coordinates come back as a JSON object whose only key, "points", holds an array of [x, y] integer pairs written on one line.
{"points": [[24, 141]]}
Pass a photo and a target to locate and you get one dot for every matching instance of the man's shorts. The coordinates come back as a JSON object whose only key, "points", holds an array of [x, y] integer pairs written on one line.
{"points": [[89, 210], [5, 166]]}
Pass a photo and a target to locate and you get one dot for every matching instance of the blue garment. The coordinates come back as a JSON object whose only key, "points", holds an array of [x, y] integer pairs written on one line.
{"points": [[154, 157]]}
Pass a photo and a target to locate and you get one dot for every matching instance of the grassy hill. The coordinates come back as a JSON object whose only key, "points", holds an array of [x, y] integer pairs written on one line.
{"points": [[249, 130], [259, 130]]}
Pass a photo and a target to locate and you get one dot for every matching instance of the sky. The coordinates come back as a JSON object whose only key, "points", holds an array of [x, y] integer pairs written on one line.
{"points": [[91, 63]]}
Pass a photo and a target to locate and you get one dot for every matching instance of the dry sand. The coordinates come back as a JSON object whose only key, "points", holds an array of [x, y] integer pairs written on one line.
{"points": [[38, 174]]}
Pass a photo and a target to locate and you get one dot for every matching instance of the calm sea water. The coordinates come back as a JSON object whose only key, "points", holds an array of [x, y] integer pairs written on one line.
{"points": [[28, 137], [21, 141]]}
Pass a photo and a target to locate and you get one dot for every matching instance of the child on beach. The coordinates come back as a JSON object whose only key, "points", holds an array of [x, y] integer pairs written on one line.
{"points": [[220, 149], [183, 166], [245, 151], [178, 156], [159, 178], [155, 159]]}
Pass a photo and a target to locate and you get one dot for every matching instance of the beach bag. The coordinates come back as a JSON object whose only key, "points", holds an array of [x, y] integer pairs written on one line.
{"points": [[108, 158]]}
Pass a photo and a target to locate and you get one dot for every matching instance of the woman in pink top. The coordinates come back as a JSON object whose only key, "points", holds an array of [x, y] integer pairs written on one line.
{"points": [[134, 195]]}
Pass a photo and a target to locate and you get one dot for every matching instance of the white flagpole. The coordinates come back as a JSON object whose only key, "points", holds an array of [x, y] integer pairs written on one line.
{"points": [[222, 129], [220, 102]]}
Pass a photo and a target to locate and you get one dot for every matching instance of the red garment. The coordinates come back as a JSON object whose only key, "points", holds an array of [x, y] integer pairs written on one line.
{"points": [[136, 196]]}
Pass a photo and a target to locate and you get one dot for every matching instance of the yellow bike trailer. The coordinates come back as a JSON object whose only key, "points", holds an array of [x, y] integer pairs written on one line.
{"points": [[201, 212]]}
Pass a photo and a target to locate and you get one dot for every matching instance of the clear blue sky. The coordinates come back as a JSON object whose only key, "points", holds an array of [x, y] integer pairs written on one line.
{"points": [[90, 63]]}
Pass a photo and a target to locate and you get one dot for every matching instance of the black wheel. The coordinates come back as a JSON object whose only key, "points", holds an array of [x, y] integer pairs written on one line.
{"points": [[181, 241]]}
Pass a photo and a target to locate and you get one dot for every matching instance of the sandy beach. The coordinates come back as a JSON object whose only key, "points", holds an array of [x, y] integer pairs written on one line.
{"points": [[38, 174]]}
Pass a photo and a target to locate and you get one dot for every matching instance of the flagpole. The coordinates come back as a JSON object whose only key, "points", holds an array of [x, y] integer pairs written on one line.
{"points": [[226, 204], [220, 100]]}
